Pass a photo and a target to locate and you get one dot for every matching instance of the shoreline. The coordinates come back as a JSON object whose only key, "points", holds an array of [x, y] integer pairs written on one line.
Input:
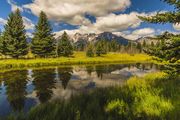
{"points": [[79, 58], [72, 65]]}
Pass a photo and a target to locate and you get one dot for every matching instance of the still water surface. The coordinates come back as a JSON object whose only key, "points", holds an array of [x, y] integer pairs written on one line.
{"points": [[20, 90]]}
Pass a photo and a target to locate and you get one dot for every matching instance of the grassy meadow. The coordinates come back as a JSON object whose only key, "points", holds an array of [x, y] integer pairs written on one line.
{"points": [[77, 58]]}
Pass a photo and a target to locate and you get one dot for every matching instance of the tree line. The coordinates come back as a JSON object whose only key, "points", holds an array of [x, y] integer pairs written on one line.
{"points": [[103, 47], [13, 41]]}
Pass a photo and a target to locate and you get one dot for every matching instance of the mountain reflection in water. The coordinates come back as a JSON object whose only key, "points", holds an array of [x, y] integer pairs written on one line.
{"points": [[20, 90]]}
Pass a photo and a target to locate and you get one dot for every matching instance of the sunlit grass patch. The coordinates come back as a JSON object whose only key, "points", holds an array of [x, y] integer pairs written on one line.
{"points": [[77, 58]]}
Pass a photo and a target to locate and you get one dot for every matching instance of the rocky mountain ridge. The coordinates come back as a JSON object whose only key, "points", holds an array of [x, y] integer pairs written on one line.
{"points": [[92, 37]]}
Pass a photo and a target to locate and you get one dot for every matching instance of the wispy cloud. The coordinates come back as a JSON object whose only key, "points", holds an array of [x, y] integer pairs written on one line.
{"points": [[28, 23], [2, 21], [14, 6]]}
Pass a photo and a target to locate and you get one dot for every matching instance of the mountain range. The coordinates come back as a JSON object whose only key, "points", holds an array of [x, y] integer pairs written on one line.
{"points": [[79, 38], [92, 37]]}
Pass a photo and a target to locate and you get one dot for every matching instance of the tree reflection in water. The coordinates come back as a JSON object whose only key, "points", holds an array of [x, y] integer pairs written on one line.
{"points": [[15, 83], [89, 69], [100, 69], [44, 82], [65, 75], [107, 69]]}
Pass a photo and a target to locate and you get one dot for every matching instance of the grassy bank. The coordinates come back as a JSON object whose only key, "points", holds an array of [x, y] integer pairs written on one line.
{"points": [[77, 58], [153, 97]]}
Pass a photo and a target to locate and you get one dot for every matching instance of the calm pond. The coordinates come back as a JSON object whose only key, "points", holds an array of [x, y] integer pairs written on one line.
{"points": [[21, 90]]}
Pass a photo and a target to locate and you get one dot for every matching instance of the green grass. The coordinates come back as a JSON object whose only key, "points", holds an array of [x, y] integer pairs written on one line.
{"points": [[153, 97], [77, 58]]}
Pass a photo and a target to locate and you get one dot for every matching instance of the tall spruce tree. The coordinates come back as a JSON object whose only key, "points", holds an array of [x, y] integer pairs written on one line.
{"points": [[152, 44], [65, 47], [144, 44], [139, 47], [102, 47], [43, 42], [114, 45], [99, 49], [90, 51], [13, 40], [170, 44]]}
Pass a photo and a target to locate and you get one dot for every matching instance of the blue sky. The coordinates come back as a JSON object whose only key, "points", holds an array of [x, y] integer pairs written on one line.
{"points": [[118, 16]]}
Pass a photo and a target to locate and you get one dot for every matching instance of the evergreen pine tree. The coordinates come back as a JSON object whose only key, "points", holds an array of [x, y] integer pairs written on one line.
{"points": [[13, 41], [114, 46], [165, 17], [139, 47], [43, 42], [169, 47], [104, 46], [170, 44], [152, 44], [144, 43], [99, 49], [129, 47], [64, 46], [90, 51], [158, 44]]}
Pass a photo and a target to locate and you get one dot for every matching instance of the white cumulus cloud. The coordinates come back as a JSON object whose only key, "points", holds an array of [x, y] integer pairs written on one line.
{"points": [[73, 11], [28, 23], [110, 23], [176, 26], [120, 22], [137, 33]]}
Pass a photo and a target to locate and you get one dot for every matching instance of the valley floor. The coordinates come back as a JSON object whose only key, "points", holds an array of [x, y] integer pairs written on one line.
{"points": [[77, 58]]}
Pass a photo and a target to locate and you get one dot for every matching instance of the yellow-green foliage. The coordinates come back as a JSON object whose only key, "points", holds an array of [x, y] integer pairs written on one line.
{"points": [[151, 104], [118, 106], [147, 98], [78, 58], [146, 81]]}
